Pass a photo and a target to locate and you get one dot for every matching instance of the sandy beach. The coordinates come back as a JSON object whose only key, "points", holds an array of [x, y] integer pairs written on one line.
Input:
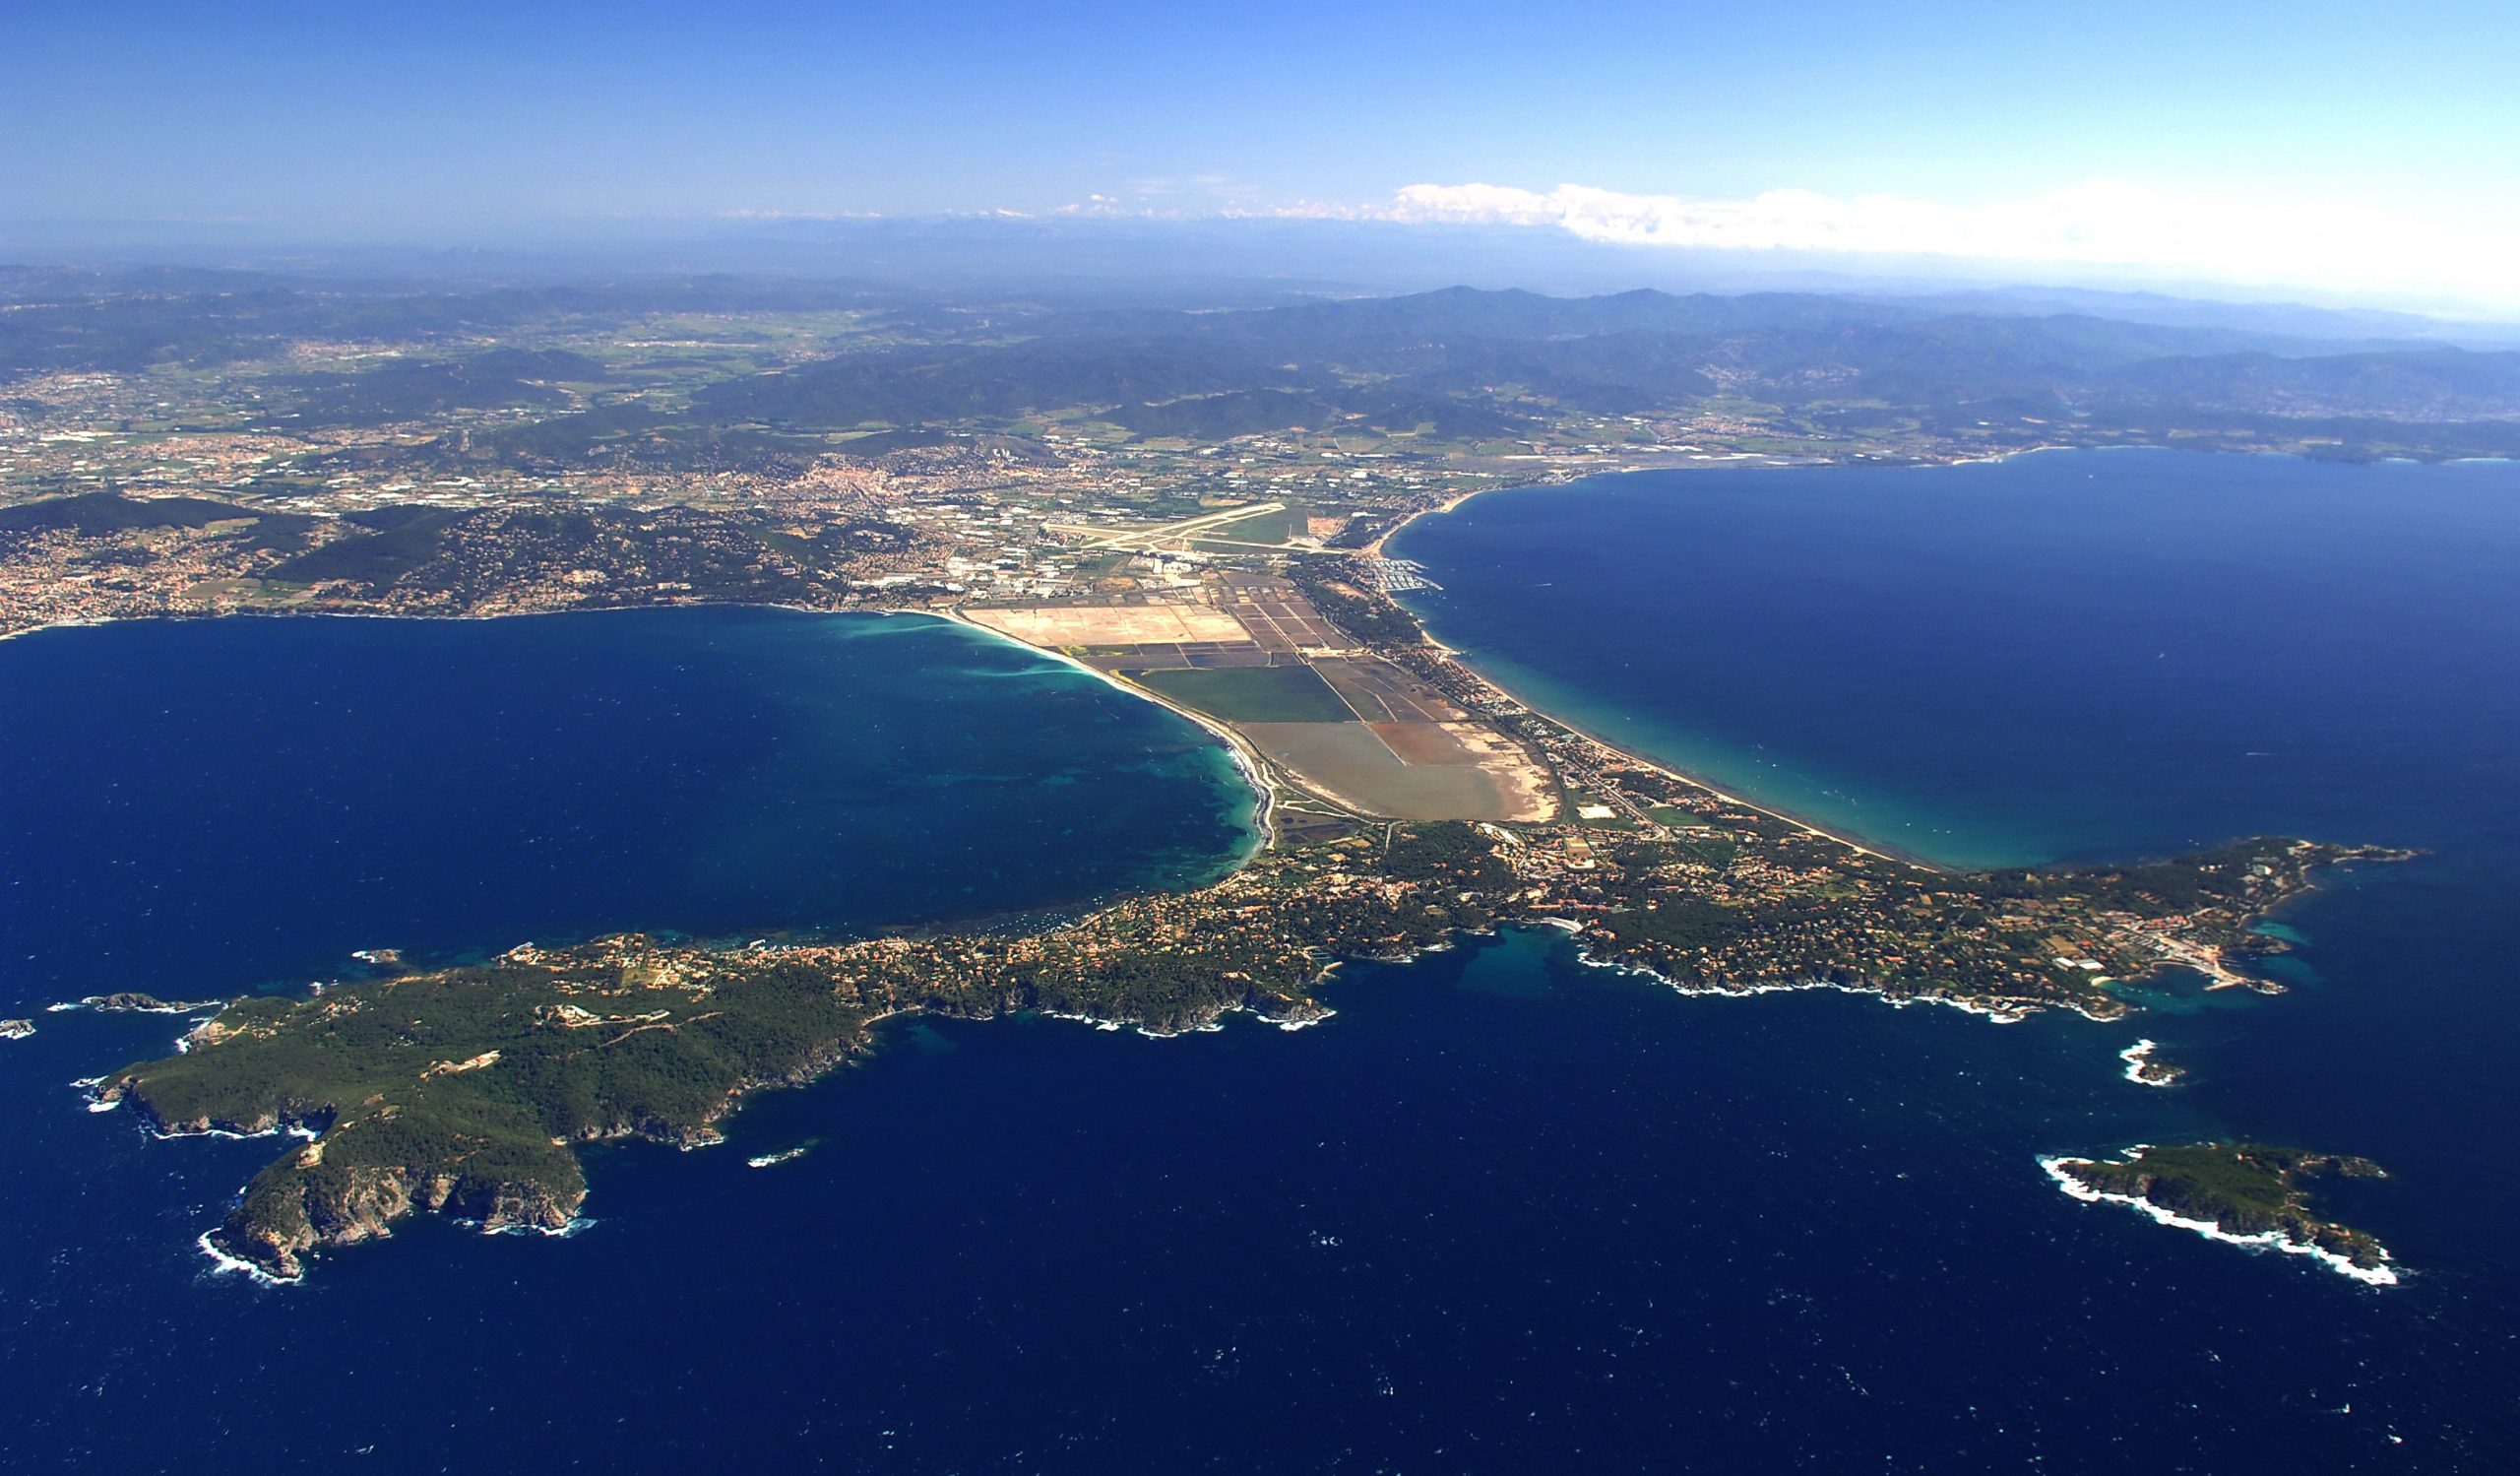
{"points": [[1883, 851]]}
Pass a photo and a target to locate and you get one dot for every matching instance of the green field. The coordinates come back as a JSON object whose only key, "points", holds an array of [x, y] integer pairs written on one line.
{"points": [[1252, 694], [1260, 528]]}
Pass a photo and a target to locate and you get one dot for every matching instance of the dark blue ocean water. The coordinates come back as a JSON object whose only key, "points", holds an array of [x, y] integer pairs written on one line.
{"points": [[2114, 654], [2058, 654], [195, 808], [1502, 1213]]}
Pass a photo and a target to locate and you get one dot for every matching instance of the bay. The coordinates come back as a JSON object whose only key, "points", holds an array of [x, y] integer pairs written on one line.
{"points": [[2068, 653], [1502, 1212], [201, 807], [2099, 654]]}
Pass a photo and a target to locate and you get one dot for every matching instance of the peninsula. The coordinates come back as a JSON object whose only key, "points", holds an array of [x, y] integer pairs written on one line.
{"points": [[468, 1090], [1195, 506]]}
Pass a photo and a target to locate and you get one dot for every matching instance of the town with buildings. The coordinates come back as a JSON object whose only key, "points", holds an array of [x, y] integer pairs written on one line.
{"points": [[1197, 551]]}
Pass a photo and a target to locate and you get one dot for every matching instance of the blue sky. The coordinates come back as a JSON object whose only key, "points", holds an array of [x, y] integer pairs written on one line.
{"points": [[463, 117]]}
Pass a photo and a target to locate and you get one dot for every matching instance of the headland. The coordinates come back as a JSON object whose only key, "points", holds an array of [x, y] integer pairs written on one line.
{"points": [[468, 1091]]}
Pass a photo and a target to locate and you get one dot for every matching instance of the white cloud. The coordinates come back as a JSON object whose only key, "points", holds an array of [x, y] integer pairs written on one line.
{"points": [[2106, 224]]}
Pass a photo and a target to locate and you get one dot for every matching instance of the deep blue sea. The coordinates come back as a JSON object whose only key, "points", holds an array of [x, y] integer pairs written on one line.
{"points": [[197, 806], [1502, 1213]]}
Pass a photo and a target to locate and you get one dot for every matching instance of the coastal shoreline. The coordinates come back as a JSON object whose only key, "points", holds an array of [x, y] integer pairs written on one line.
{"points": [[1287, 1006], [2058, 1166], [2143, 1071], [1256, 770], [1247, 759], [1265, 790], [1269, 791], [1882, 850], [1993, 1014]]}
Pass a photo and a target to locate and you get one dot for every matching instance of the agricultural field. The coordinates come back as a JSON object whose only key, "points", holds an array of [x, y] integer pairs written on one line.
{"points": [[1251, 695]]}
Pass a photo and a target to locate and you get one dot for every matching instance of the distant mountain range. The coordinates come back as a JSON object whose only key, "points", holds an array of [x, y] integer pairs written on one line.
{"points": [[1461, 364], [1487, 359]]}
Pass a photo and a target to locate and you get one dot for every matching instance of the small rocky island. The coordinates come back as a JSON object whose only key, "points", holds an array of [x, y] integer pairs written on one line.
{"points": [[15, 1030], [2145, 1067], [131, 1001], [2245, 1194], [468, 1090]]}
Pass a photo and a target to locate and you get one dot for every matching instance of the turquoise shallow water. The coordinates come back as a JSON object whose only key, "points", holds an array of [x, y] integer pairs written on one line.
{"points": [[1502, 1213], [200, 806], [2107, 655], [2067, 654]]}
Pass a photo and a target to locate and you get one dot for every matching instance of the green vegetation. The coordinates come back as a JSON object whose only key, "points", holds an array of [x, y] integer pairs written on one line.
{"points": [[455, 1090], [2221, 876], [1447, 853], [408, 389], [133, 319], [94, 514], [1216, 417], [1367, 620], [1260, 528], [462, 559], [105, 515], [1685, 923], [405, 539], [462, 1089], [829, 447], [1480, 370], [878, 443], [631, 434], [465, 1089], [135, 1002], [1222, 416], [1251, 695], [762, 361], [2241, 1188]]}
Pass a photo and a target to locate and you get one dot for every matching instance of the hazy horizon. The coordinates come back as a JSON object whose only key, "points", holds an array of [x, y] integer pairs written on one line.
{"points": [[2256, 154], [1208, 262]]}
